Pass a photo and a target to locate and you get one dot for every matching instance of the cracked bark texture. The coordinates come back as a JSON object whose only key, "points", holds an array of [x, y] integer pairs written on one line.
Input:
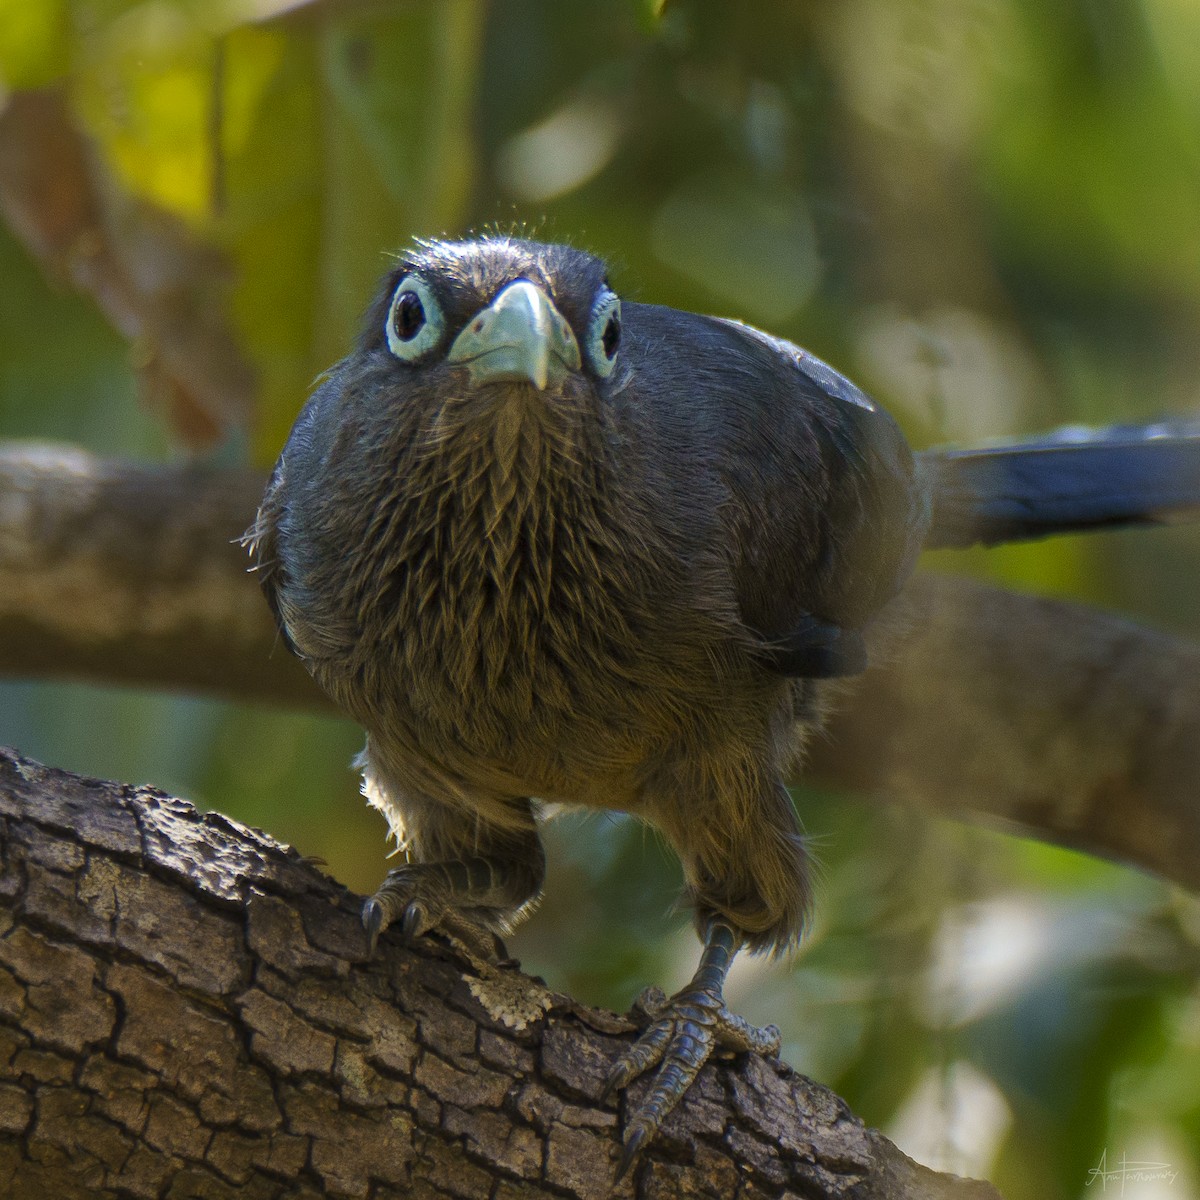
{"points": [[186, 1011]]}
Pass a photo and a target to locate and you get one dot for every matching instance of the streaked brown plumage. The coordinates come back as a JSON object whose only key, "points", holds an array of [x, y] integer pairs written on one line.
{"points": [[565, 593]]}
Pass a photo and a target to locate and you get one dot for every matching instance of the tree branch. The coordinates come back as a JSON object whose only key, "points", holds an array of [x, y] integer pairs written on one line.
{"points": [[132, 574], [1072, 725], [185, 1008]]}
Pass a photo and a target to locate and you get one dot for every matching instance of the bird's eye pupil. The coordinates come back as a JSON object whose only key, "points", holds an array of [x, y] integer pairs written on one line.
{"points": [[409, 316], [612, 336]]}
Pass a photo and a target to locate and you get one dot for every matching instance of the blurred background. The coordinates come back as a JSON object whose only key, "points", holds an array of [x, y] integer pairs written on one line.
{"points": [[987, 212]]}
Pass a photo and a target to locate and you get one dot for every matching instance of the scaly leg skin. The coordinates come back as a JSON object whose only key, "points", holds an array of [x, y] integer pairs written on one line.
{"points": [[684, 1032]]}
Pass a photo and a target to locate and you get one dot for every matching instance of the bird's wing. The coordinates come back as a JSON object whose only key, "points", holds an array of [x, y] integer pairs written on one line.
{"points": [[262, 541], [830, 515]]}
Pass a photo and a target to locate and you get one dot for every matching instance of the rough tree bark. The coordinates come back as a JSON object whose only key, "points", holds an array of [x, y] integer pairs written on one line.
{"points": [[186, 1012]]}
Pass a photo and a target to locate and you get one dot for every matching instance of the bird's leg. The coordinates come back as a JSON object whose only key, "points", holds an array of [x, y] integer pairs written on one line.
{"points": [[683, 1033], [749, 883]]}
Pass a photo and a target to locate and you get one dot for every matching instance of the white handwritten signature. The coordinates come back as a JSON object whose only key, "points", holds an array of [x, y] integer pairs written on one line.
{"points": [[1129, 1172]]}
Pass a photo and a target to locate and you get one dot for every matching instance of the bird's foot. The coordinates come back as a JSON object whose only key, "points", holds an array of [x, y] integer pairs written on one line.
{"points": [[683, 1033], [416, 896], [420, 895]]}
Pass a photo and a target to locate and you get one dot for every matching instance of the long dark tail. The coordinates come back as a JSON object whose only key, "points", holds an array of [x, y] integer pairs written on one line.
{"points": [[1066, 482]]}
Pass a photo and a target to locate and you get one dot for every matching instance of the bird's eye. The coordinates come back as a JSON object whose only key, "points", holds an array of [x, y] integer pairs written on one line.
{"points": [[409, 316], [414, 321], [604, 333]]}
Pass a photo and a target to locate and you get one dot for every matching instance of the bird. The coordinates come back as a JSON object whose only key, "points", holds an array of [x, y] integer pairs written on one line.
{"points": [[552, 546]]}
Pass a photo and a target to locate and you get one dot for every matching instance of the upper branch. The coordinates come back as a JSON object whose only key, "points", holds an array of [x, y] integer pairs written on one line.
{"points": [[1074, 725], [132, 574]]}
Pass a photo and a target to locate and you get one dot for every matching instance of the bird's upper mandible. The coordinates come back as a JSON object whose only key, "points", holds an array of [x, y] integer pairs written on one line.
{"points": [[519, 337]]}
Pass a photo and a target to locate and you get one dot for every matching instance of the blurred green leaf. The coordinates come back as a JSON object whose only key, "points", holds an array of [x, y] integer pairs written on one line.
{"points": [[34, 43], [145, 90]]}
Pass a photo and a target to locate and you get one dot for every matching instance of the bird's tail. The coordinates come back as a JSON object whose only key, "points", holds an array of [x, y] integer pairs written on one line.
{"points": [[1068, 481]]}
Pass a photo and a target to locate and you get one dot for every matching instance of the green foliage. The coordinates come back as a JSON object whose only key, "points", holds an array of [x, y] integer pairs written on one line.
{"points": [[984, 210]]}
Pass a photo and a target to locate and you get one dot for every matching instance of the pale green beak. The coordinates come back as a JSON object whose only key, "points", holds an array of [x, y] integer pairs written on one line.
{"points": [[521, 337]]}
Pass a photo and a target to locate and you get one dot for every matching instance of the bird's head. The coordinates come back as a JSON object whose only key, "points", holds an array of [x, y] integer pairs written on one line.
{"points": [[464, 330]]}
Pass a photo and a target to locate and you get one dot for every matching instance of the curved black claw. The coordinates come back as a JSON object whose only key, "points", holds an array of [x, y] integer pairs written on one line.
{"points": [[416, 895], [630, 1152], [372, 919]]}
